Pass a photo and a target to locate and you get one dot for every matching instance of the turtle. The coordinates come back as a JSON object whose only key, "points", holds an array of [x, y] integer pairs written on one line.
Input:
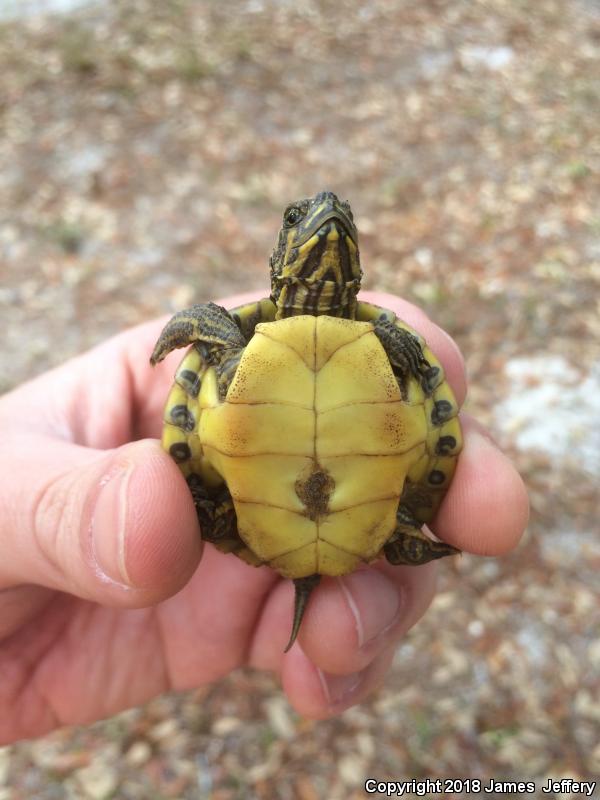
{"points": [[316, 431]]}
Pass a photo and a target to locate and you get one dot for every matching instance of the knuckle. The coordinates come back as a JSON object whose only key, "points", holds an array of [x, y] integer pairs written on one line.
{"points": [[53, 521]]}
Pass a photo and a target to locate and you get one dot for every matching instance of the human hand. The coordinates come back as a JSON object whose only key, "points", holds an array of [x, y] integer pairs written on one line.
{"points": [[105, 600]]}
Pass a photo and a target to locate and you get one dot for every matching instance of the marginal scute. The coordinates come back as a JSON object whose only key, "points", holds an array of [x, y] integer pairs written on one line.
{"points": [[180, 451], [209, 392], [436, 477], [445, 445], [189, 372], [183, 417]]}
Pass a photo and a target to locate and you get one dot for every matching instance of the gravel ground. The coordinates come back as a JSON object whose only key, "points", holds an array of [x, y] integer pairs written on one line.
{"points": [[146, 152]]}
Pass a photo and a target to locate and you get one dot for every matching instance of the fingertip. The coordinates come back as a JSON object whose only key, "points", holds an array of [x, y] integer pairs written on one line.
{"points": [[448, 352], [301, 682], [116, 527], [162, 537], [486, 509], [348, 618], [348, 621], [316, 694]]}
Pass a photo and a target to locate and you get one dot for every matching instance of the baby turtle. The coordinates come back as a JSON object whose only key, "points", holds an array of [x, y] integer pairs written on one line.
{"points": [[316, 431]]}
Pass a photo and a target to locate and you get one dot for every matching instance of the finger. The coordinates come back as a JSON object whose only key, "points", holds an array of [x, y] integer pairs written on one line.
{"points": [[317, 695], [349, 620], [118, 527], [19, 604], [486, 508], [101, 399], [357, 616], [208, 625]]}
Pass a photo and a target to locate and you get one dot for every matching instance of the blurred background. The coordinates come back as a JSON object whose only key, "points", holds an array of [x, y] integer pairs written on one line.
{"points": [[147, 151]]}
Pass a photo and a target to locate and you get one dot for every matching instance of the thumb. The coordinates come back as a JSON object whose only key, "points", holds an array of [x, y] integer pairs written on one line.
{"points": [[118, 527]]}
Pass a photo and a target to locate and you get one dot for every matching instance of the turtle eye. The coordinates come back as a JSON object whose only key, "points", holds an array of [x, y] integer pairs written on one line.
{"points": [[292, 215]]}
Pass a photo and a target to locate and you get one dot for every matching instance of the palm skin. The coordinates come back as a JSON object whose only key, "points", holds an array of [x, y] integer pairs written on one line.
{"points": [[107, 596]]}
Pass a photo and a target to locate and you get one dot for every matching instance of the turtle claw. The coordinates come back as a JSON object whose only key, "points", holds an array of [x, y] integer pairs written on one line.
{"points": [[415, 548]]}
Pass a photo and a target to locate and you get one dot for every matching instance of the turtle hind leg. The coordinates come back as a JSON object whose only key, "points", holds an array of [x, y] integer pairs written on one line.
{"points": [[218, 520], [303, 587], [409, 545]]}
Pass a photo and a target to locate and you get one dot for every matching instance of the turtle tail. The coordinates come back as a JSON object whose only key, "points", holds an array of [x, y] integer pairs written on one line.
{"points": [[303, 587]]}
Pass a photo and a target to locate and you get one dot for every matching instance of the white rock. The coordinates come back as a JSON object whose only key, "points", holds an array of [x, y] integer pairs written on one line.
{"points": [[280, 720], [551, 407], [225, 725], [98, 780], [351, 769], [138, 754], [494, 58]]}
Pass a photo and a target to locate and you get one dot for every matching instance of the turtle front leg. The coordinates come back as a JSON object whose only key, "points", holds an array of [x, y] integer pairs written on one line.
{"points": [[406, 356], [205, 323], [409, 545], [214, 333]]}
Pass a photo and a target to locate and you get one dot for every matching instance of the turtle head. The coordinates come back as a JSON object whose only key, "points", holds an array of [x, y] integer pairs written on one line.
{"points": [[315, 266]]}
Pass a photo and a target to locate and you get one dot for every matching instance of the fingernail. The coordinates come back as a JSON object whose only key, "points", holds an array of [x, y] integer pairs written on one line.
{"points": [[375, 603], [340, 689], [108, 525]]}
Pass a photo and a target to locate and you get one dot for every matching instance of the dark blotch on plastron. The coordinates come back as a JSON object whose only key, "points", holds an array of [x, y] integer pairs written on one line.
{"points": [[436, 477], [445, 445], [180, 451], [183, 418], [315, 491], [190, 381], [442, 411]]}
